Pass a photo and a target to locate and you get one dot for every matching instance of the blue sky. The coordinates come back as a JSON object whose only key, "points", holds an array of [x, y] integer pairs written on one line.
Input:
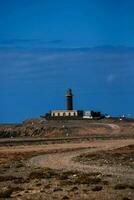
{"points": [[47, 46]]}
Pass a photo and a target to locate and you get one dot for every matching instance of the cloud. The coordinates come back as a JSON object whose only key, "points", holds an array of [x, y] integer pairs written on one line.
{"points": [[93, 66], [30, 43], [111, 77], [38, 75], [55, 41]]}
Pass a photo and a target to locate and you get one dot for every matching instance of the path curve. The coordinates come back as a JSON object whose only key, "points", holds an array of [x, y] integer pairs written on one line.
{"points": [[64, 160], [115, 128]]}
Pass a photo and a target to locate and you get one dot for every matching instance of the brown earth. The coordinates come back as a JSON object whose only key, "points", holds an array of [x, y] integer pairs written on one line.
{"points": [[95, 170], [52, 172], [66, 128], [53, 129]]}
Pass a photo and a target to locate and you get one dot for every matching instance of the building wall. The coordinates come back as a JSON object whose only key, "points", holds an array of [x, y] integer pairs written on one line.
{"points": [[87, 113], [64, 113]]}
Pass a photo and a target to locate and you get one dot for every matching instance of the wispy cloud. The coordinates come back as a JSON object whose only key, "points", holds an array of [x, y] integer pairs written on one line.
{"points": [[55, 41], [111, 77], [93, 66], [31, 76], [30, 43]]}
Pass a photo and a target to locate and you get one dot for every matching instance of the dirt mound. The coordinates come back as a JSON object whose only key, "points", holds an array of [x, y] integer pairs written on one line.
{"points": [[67, 128], [43, 128]]}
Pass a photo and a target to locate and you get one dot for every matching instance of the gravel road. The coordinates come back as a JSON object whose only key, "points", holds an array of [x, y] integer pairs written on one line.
{"points": [[64, 160]]}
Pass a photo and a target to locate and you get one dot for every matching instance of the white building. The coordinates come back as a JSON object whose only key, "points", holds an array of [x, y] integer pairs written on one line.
{"points": [[64, 113], [87, 115]]}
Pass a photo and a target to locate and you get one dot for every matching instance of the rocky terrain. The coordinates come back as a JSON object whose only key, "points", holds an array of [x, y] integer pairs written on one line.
{"points": [[81, 170], [66, 128], [65, 172]]}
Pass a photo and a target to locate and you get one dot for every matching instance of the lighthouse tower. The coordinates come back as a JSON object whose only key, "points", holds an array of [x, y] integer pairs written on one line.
{"points": [[69, 99]]}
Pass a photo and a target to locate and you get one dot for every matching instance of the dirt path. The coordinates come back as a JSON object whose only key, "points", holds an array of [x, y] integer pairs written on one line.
{"points": [[115, 128], [45, 148], [64, 160]]}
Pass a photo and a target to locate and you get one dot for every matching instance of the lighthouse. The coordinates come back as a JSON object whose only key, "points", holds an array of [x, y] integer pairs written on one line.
{"points": [[69, 99], [69, 113]]}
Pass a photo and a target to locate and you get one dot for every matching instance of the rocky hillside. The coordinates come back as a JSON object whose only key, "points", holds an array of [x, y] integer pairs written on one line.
{"points": [[66, 128], [43, 128]]}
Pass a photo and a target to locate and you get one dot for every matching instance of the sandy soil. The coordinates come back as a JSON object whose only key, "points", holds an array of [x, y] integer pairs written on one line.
{"points": [[26, 174], [65, 160], [98, 169]]}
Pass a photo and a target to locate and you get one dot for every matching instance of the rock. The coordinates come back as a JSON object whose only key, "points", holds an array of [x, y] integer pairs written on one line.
{"points": [[65, 197], [73, 189], [5, 192], [97, 188], [120, 186], [57, 189]]}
